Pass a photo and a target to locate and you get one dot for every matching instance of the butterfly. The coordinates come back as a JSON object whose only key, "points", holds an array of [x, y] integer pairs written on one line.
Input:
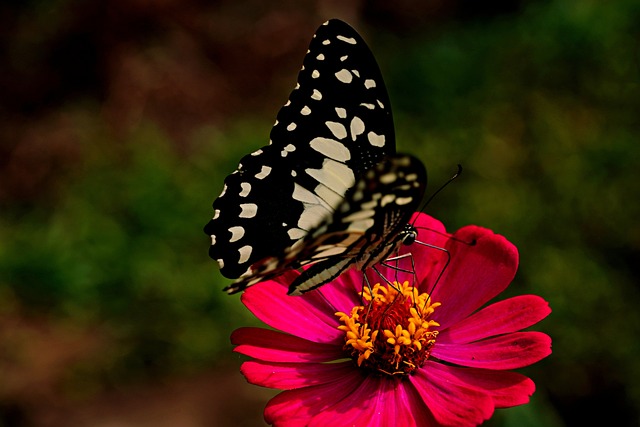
{"points": [[329, 191]]}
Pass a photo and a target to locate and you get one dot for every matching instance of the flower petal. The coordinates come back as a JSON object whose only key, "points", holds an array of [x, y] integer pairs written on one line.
{"points": [[356, 409], [509, 351], [502, 317], [482, 265], [303, 316], [343, 293], [297, 407], [377, 402], [452, 402], [288, 376], [274, 346], [505, 387], [351, 400], [414, 410]]}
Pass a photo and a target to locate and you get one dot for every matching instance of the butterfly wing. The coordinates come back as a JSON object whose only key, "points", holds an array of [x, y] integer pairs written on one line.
{"points": [[336, 125], [367, 226]]}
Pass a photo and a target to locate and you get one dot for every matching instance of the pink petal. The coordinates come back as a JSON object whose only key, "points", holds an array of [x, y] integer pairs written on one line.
{"points": [[502, 317], [402, 406], [413, 409], [505, 387], [509, 351], [341, 294], [479, 270], [289, 407], [274, 346], [303, 316], [287, 376], [452, 402], [356, 409], [421, 220], [428, 260], [377, 402]]}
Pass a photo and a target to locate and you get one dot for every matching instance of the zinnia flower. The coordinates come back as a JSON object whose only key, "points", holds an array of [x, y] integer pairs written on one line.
{"points": [[428, 355]]}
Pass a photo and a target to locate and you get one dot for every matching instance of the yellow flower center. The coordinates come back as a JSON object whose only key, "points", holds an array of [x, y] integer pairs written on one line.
{"points": [[392, 334]]}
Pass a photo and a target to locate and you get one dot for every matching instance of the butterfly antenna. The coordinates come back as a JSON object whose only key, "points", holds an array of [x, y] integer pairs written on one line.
{"points": [[449, 181]]}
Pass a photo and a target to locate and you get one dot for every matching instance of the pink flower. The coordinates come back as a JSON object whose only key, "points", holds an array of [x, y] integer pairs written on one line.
{"points": [[409, 359]]}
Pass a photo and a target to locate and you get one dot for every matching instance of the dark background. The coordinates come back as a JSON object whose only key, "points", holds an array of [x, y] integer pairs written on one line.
{"points": [[120, 119]]}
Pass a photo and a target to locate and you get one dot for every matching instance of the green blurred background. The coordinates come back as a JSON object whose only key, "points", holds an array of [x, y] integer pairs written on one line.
{"points": [[119, 121]]}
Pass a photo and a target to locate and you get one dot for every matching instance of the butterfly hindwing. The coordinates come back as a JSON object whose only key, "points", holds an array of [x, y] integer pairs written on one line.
{"points": [[336, 125], [367, 227]]}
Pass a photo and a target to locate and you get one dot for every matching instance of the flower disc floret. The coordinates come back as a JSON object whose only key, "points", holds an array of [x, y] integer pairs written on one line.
{"points": [[391, 333]]}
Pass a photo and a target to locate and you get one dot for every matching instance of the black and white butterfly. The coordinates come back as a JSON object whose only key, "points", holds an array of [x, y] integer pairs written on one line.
{"points": [[329, 190]]}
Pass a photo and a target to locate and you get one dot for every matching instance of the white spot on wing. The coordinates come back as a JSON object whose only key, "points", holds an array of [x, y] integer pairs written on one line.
{"points": [[349, 40], [330, 251], [296, 233], [303, 195], [369, 106], [337, 129], [257, 152], [315, 209], [375, 140], [246, 188], [320, 57], [236, 233], [220, 263], [290, 148], [213, 239], [369, 83], [356, 73], [305, 111], [249, 210], [316, 95], [388, 178], [335, 175], [344, 76], [328, 195], [216, 213], [224, 190], [315, 74], [264, 172], [403, 200], [342, 58], [312, 216], [291, 126], [357, 127], [331, 148], [388, 198], [245, 253], [342, 113], [326, 42]]}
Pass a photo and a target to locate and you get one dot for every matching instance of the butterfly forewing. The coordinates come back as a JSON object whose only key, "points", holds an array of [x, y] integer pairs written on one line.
{"points": [[335, 126]]}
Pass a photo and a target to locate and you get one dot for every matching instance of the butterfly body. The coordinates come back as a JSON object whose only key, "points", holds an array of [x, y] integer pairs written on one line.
{"points": [[329, 191]]}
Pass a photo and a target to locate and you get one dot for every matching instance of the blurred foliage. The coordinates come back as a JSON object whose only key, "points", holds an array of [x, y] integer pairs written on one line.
{"points": [[541, 109]]}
